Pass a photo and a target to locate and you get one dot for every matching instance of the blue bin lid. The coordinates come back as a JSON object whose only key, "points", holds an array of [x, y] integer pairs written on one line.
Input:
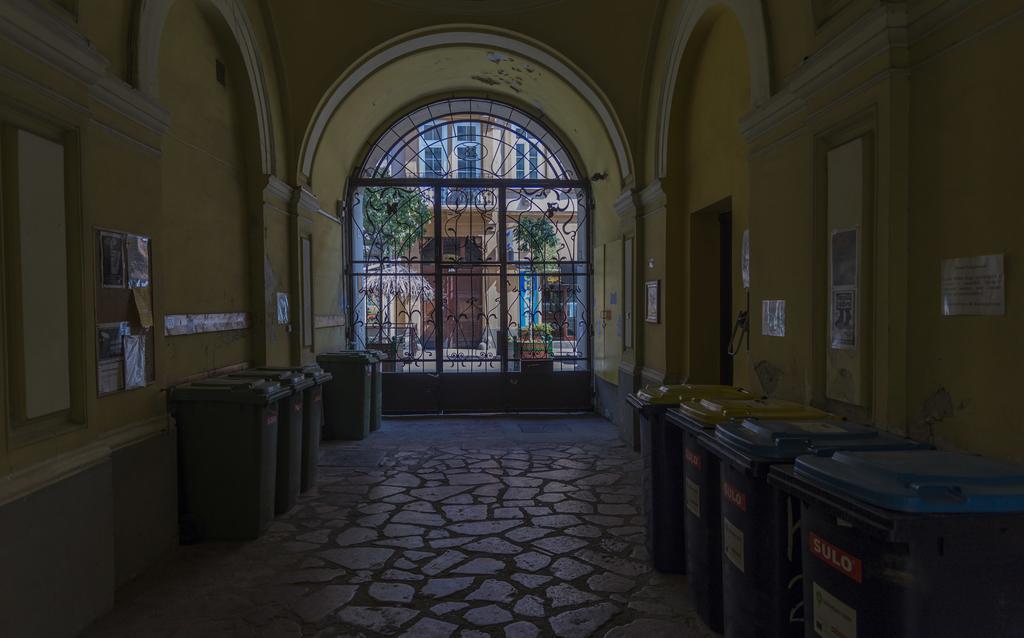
{"points": [[786, 440], [924, 481]]}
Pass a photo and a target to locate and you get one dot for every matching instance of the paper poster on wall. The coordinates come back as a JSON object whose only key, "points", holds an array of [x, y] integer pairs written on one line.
{"points": [[137, 248], [109, 340], [283, 310], [134, 362], [109, 377], [773, 317], [844, 258], [745, 259], [844, 319], [112, 270], [974, 286], [142, 305]]}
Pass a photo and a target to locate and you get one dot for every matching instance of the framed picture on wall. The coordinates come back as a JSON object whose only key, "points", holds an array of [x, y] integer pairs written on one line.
{"points": [[653, 301], [112, 270]]}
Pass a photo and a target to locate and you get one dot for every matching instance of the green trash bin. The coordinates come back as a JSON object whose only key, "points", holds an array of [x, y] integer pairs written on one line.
{"points": [[227, 438], [289, 432], [347, 404], [312, 421], [376, 385]]}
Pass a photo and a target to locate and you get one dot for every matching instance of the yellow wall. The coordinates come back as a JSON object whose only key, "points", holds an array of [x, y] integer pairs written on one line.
{"points": [[966, 136], [707, 164], [205, 204]]}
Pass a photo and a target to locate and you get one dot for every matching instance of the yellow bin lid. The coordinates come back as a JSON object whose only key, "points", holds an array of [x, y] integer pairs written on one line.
{"points": [[714, 411], [673, 394]]}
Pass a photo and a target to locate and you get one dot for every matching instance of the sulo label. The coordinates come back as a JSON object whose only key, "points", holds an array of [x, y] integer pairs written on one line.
{"points": [[732, 542], [693, 458], [693, 497], [734, 496], [839, 560], [832, 617]]}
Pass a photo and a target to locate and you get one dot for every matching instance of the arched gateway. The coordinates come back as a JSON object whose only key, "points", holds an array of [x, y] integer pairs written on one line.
{"points": [[469, 262]]}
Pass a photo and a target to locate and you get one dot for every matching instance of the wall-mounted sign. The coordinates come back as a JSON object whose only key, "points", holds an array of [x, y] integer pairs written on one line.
{"points": [[974, 286], [653, 302], [745, 259], [773, 317], [844, 269]]}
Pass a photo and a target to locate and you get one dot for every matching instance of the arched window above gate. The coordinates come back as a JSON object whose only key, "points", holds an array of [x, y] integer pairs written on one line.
{"points": [[468, 139]]}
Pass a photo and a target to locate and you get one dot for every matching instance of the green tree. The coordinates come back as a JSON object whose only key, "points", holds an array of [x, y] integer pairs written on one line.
{"points": [[537, 235], [395, 219]]}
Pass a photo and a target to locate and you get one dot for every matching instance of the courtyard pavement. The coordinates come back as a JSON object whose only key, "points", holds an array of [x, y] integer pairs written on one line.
{"points": [[464, 527]]}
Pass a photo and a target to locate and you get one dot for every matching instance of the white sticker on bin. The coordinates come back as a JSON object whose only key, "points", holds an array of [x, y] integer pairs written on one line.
{"points": [[732, 540], [832, 617], [693, 497]]}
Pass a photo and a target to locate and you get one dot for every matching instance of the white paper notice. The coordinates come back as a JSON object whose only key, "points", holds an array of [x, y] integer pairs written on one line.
{"points": [[134, 362], [745, 259], [732, 540], [693, 497], [832, 617], [773, 318], [973, 286]]}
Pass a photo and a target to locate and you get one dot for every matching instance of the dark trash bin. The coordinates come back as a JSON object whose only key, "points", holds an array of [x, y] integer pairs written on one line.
{"points": [[289, 431], [661, 449], [347, 400], [702, 518], [312, 421], [761, 567], [926, 543], [376, 385], [227, 438]]}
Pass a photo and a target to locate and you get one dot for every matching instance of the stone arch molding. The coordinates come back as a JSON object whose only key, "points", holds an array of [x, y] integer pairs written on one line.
{"points": [[751, 18], [503, 41], [152, 15]]}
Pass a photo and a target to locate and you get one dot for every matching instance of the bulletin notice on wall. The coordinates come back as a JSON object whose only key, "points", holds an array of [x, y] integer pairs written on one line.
{"points": [[974, 286]]}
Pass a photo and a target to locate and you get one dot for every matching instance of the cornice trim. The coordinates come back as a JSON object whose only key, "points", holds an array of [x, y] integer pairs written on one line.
{"points": [[627, 204], [51, 39], [278, 188], [125, 100], [653, 197], [878, 32]]}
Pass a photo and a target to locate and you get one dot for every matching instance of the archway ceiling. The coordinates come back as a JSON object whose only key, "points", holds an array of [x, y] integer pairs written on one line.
{"points": [[419, 77], [470, 7], [609, 40]]}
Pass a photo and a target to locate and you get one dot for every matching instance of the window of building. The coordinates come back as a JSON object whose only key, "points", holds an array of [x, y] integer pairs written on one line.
{"points": [[467, 149], [432, 154]]}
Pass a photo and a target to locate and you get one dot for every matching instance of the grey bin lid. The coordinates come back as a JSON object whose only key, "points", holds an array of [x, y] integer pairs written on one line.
{"points": [[312, 371], [220, 390], [348, 356], [288, 378]]}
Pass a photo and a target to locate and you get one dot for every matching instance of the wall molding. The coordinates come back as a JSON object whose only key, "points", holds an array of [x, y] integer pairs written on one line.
{"points": [[40, 32], [124, 99], [59, 44], [653, 199], [328, 321], [875, 34], [279, 189], [627, 205], [36, 477]]}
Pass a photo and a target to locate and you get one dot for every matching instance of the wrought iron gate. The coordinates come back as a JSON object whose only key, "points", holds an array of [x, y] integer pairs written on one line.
{"points": [[469, 263]]}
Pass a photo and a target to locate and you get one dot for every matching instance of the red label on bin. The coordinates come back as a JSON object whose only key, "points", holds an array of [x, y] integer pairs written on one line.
{"points": [[693, 459], [272, 420], [297, 406], [836, 558], [734, 496]]}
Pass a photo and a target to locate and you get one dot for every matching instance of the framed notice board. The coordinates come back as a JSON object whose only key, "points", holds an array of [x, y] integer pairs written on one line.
{"points": [[125, 341]]}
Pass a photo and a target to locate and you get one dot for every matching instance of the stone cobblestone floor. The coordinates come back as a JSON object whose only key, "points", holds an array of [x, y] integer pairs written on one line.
{"points": [[464, 527]]}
